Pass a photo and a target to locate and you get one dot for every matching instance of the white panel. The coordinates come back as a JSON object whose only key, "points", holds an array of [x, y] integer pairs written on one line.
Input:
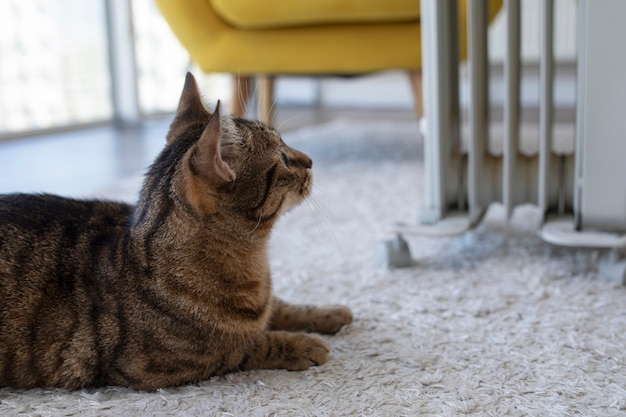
{"points": [[546, 102], [601, 141], [440, 68], [480, 179], [511, 105]]}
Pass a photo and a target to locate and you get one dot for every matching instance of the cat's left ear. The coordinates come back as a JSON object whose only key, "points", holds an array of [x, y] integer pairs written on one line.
{"points": [[190, 108], [207, 158]]}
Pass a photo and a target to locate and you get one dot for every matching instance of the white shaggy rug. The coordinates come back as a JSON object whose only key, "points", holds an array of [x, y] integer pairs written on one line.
{"points": [[491, 323]]}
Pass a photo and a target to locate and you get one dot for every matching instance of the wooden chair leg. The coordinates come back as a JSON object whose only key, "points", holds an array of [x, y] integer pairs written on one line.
{"points": [[265, 90], [241, 95], [418, 94]]}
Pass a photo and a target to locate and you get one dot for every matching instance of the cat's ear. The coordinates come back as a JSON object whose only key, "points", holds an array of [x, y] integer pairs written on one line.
{"points": [[190, 107], [207, 158]]}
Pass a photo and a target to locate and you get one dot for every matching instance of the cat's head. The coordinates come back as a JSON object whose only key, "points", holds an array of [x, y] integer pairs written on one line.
{"points": [[227, 166]]}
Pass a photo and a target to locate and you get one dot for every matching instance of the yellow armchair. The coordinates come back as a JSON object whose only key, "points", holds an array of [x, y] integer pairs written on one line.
{"points": [[257, 38]]}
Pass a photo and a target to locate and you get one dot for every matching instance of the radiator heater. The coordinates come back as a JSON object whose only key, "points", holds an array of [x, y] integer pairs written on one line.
{"points": [[581, 193]]}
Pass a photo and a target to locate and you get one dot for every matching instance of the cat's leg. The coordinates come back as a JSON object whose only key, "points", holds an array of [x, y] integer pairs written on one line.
{"points": [[152, 369], [323, 319], [283, 350]]}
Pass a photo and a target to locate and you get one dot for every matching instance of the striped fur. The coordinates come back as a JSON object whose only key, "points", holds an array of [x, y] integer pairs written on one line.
{"points": [[171, 291]]}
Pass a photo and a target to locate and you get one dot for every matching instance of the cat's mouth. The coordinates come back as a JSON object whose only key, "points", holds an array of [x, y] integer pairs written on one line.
{"points": [[296, 196], [307, 184]]}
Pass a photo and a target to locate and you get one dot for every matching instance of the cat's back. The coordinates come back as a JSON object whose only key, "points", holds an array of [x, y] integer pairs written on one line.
{"points": [[27, 213], [39, 233], [28, 210]]}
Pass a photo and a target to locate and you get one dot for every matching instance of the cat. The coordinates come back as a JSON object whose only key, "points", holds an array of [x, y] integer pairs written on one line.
{"points": [[169, 292]]}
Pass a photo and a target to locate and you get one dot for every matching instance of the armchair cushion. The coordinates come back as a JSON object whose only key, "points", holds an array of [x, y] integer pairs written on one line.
{"points": [[339, 48], [254, 14]]}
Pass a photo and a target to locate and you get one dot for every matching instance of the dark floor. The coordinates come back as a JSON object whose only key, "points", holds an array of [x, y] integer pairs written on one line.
{"points": [[77, 163]]}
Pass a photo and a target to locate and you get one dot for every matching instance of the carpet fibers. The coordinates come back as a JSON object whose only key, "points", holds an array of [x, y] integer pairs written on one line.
{"points": [[491, 323]]}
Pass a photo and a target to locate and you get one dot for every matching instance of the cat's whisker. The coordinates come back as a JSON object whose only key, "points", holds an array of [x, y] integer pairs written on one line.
{"points": [[282, 123], [274, 107], [243, 93], [318, 209], [255, 95], [317, 191], [250, 102], [257, 225], [242, 98]]}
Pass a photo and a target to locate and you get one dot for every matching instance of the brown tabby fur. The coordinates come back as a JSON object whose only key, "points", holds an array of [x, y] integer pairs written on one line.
{"points": [[172, 291]]}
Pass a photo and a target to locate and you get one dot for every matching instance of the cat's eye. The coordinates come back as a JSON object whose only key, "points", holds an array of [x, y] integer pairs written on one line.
{"points": [[285, 158]]}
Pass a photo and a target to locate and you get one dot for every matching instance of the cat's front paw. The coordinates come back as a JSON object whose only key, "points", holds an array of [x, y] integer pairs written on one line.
{"points": [[330, 319], [307, 351]]}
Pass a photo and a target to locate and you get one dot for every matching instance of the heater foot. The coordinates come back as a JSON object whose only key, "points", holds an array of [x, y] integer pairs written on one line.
{"points": [[394, 252], [613, 267], [454, 224], [561, 232]]}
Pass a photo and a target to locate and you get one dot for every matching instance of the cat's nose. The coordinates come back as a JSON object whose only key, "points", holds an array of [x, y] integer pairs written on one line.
{"points": [[307, 162], [303, 159]]}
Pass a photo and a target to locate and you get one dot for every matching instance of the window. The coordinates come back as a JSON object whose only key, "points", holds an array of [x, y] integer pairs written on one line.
{"points": [[55, 62], [160, 61], [53, 65]]}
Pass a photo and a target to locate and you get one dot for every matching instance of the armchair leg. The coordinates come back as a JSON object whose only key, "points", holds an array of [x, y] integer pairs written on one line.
{"points": [[265, 90], [241, 95], [415, 77]]}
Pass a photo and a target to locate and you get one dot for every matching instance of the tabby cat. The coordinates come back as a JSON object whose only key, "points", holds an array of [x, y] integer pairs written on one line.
{"points": [[168, 292]]}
